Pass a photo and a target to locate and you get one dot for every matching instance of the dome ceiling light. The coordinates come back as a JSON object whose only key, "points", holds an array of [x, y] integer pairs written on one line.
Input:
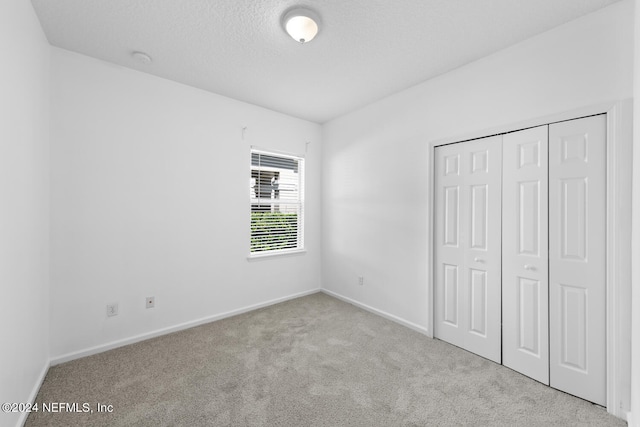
{"points": [[301, 24]]}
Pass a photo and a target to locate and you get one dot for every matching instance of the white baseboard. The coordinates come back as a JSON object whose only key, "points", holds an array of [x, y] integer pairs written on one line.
{"points": [[186, 325], [34, 392], [384, 314]]}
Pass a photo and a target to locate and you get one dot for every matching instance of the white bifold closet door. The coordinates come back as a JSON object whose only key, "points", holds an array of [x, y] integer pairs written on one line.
{"points": [[553, 245], [520, 222], [577, 259], [467, 245], [525, 330]]}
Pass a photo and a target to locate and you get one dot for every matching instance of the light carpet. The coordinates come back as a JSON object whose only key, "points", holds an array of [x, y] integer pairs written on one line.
{"points": [[312, 361]]}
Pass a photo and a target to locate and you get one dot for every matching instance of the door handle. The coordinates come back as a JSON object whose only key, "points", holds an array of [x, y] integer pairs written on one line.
{"points": [[476, 259], [529, 267]]}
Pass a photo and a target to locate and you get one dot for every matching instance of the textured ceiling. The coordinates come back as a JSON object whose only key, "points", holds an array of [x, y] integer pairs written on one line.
{"points": [[366, 49]]}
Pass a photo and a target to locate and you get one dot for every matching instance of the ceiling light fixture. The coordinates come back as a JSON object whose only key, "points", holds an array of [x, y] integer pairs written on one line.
{"points": [[301, 24]]}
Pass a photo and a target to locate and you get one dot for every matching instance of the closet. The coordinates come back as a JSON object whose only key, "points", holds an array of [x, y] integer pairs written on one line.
{"points": [[519, 252]]}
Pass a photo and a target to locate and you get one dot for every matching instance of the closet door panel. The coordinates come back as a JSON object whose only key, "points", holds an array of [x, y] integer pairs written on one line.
{"points": [[483, 262], [467, 245], [449, 263], [449, 259], [577, 221], [524, 253]]}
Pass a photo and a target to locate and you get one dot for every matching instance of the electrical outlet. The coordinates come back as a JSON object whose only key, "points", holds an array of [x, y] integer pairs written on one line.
{"points": [[151, 302], [361, 280], [112, 310]]}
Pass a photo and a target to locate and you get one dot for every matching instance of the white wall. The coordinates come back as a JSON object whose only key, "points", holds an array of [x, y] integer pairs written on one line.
{"points": [[634, 420], [375, 165], [150, 197], [24, 197]]}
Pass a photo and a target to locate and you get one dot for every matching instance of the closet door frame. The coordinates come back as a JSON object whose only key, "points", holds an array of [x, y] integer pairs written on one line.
{"points": [[619, 119]]}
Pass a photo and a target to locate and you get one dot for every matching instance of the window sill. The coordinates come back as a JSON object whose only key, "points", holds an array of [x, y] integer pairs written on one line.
{"points": [[267, 255]]}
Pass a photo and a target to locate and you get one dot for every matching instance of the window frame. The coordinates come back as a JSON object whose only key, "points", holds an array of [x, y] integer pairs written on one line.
{"points": [[299, 203]]}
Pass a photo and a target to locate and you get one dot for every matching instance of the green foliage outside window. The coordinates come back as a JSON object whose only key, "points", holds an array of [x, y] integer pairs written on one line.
{"points": [[273, 230]]}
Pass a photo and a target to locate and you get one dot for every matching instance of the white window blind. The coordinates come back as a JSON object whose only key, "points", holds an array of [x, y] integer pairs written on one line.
{"points": [[277, 202]]}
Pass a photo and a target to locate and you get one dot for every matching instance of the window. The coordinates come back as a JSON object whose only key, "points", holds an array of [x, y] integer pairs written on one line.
{"points": [[277, 203]]}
